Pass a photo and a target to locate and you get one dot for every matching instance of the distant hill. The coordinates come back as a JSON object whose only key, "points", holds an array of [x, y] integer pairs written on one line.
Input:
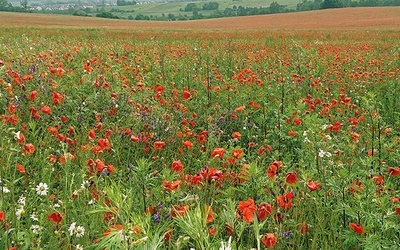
{"points": [[343, 18]]}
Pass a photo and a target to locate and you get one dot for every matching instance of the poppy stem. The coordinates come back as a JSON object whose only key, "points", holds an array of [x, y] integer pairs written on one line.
{"points": [[372, 136], [379, 145], [344, 211], [264, 121], [208, 86], [144, 198]]}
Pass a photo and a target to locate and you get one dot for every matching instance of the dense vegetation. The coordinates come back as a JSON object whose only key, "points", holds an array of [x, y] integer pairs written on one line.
{"points": [[155, 139]]}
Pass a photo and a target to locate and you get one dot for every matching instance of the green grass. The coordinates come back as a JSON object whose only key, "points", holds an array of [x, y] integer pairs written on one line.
{"points": [[155, 139]]}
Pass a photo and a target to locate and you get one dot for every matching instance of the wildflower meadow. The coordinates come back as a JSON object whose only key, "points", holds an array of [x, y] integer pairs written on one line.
{"points": [[182, 139]]}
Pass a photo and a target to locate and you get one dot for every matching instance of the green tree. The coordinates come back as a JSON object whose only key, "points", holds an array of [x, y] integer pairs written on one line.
{"points": [[211, 6], [3, 4], [24, 4], [191, 7], [275, 7], [328, 4]]}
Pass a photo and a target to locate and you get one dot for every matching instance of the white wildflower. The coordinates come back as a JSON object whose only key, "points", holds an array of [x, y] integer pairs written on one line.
{"points": [[36, 229], [5, 189], [17, 135], [21, 200], [226, 246], [323, 153], [34, 217], [72, 228], [85, 184], [20, 212], [79, 247], [79, 231], [42, 189]]}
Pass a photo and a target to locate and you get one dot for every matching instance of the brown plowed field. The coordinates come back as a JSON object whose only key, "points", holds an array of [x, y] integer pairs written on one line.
{"points": [[347, 18]]}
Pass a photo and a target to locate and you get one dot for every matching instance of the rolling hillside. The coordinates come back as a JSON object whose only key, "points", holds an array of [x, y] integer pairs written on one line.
{"points": [[346, 18]]}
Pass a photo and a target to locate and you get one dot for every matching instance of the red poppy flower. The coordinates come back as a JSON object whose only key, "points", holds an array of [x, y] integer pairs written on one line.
{"points": [[313, 185], [355, 136], [196, 179], [177, 166], [56, 217], [113, 228], [237, 153], [273, 168], [12, 107], [291, 178], [158, 145], [297, 121], [134, 138], [45, 109], [304, 228], [202, 137], [247, 210], [228, 229], [57, 98], [187, 144], [394, 171], [378, 180], [239, 109], [179, 210], [169, 186], [20, 138], [210, 214], [335, 127], [212, 231], [356, 186], [357, 228], [264, 210], [186, 94], [271, 171], [168, 234], [236, 135], [397, 211], [32, 96], [29, 149], [285, 201], [1, 215], [218, 152], [269, 240], [20, 168]]}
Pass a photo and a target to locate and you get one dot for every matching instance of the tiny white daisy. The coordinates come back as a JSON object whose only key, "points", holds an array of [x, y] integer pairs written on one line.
{"points": [[85, 184], [72, 228], [21, 200], [20, 212], [5, 189], [36, 229], [34, 217], [79, 231], [42, 188], [79, 247]]}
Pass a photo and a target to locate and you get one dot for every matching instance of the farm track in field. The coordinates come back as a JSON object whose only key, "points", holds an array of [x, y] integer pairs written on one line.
{"points": [[382, 18]]}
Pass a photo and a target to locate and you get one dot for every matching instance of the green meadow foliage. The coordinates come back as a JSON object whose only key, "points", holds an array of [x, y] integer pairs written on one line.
{"points": [[150, 139]]}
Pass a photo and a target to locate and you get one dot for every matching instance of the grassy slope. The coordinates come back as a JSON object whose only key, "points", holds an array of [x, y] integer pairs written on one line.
{"points": [[157, 9], [348, 18]]}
